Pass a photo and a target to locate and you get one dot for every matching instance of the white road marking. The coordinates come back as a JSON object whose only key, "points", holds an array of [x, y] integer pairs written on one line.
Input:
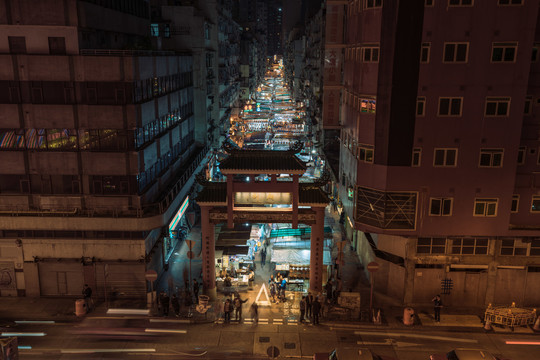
{"points": [[165, 331], [92, 351], [181, 321], [388, 342], [418, 336]]}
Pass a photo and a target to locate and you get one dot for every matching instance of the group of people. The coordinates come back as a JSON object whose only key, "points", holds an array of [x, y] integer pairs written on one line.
{"points": [[310, 307], [277, 286], [235, 305], [165, 301]]}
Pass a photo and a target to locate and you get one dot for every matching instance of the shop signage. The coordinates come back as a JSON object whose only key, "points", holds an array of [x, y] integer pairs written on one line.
{"points": [[262, 198], [179, 215]]}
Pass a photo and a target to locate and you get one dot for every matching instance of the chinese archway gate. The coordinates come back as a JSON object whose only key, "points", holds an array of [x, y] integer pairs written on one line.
{"points": [[254, 179]]}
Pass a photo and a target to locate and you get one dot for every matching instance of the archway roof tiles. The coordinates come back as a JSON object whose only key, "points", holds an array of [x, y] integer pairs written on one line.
{"points": [[262, 161]]}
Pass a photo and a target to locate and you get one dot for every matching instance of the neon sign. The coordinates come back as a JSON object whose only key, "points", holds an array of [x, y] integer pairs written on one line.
{"points": [[179, 215]]}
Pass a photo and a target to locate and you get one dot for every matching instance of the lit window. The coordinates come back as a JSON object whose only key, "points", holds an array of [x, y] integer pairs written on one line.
{"points": [[368, 106], [424, 52], [503, 52], [497, 106], [440, 206], [535, 204], [491, 157], [460, 3], [370, 54], [485, 207], [455, 52], [445, 157], [515, 204], [420, 106], [450, 106], [470, 246], [365, 154], [416, 157], [521, 155], [154, 30], [431, 246]]}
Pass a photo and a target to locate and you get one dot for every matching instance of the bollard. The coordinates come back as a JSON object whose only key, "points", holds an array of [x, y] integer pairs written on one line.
{"points": [[408, 316], [487, 325]]}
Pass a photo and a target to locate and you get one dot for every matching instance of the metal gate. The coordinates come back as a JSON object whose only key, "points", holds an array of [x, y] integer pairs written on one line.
{"points": [[60, 279]]}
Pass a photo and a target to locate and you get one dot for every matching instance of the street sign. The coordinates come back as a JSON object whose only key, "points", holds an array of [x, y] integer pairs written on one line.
{"points": [[190, 244], [373, 266], [151, 275]]}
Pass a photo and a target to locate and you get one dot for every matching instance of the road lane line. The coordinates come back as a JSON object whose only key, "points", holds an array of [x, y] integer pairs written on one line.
{"points": [[418, 336], [165, 331]]}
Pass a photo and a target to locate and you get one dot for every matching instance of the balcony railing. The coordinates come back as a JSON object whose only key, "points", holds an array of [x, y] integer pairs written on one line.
{"points": [[114, 52]]}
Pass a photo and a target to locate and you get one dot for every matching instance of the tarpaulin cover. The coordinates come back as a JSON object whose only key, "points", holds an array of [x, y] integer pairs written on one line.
{"points": [[297, 256]]}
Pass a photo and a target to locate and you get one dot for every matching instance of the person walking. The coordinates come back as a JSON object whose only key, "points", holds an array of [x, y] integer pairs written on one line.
{"points": [[273, 291], [196, 290], [87, 294], [175, 304], [316, 307], [238, 307], [227, 308], [263, 257], [437, 304], [283, 288], [309, 303], [164, 299], [254, 310], [328, 288], [302, 309]]}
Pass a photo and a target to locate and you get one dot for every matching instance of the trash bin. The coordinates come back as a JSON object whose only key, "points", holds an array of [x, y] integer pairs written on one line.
{"points": [[408, 316], [80, 307]]}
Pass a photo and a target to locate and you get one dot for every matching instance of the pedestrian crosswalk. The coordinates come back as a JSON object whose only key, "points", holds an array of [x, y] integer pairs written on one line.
{"points": [[263, 321]]}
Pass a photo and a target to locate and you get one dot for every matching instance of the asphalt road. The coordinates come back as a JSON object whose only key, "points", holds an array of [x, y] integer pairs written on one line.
{"points": [[130, 338]]}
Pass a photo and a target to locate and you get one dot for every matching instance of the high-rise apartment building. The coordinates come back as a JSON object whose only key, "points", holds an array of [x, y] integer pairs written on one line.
{"points": [[439, 164], [97, 147], [275, 28]]}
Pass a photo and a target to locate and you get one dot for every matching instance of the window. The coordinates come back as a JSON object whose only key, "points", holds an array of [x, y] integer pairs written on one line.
{"points": [[424, 52], [365, 154], [440, 206], [429, 3], [528, 105], [503, 52], [450, 106], [535, 204], [515, 204], [445, 157], [17, 44], [510, 2], [420, 105], [154, 30], [521, 155], [491, 157], [57, 46], [455, 52], [497, 106], [370, 53], [470, 246], [370, 4], [534, 54], [485, 207], [416, 156], [535, 247], [513, 247], [431, 246], [460, 2]]}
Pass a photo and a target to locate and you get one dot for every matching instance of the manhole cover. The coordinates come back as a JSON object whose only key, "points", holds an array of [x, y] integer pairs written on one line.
{"points": [[273, 352], [290, 346], [264, 339]]}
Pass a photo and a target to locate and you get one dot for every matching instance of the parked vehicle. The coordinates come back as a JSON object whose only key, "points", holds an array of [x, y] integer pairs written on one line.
{"points": [[466, 354]]}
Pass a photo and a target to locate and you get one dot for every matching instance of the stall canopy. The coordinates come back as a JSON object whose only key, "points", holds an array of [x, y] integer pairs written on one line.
{"points": [[297, 256], [233, 250], [238, 235]]}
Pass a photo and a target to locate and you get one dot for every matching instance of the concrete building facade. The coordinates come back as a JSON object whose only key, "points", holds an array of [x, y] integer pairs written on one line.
{"points": [[97, 147], [439, 147]]}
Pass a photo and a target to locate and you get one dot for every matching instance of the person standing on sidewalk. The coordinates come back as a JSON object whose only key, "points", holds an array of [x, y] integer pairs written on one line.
{"points": [[437, 303], [87, 293], [316, 307], [255, 312], [263, 257], [238, 302], [227, 308], [302, 309], [309, 303], [175, 304]]}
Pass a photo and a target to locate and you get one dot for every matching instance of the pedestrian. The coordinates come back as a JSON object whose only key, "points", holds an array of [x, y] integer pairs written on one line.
{"points": [[328, 288], [164, 300], [251, 278], [87, 294], [309, 302], [254, 310], [263, 257], [175, 304], [437, 304], [316, 307], [273, 291], [237, 302], [283, 288], [196, 290], [302, 308], [227, 308]]}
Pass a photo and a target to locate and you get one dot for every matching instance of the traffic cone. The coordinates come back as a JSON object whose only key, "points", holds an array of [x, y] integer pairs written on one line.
{"points": [[536, 326], [487, 326]]}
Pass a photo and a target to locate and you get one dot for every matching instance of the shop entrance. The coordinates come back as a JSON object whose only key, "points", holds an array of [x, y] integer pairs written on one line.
{"points": [[262, 187]]}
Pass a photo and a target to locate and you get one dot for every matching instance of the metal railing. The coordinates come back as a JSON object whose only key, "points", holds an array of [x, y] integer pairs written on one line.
{"points": [[114, 52]]}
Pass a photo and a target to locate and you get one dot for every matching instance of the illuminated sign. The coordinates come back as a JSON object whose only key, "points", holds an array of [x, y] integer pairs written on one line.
{"points": [[179, 214], [262, 198]]}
